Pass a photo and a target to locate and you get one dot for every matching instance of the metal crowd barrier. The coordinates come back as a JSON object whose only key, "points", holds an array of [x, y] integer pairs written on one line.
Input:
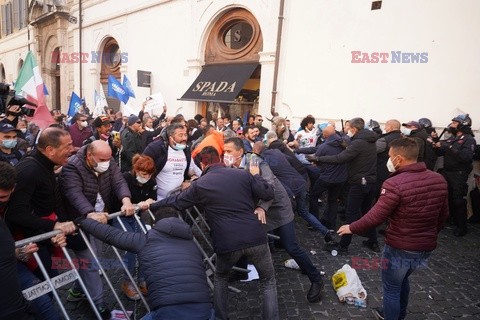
{"points": [[52, 284]]}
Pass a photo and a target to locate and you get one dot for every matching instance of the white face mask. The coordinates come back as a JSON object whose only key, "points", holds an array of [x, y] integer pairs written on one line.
{"points": [[407, 131], [102, 166], [350, 134], [142, 180], [390, 165], [229, 160], [84, 124], [149, 129], [24, 130]]}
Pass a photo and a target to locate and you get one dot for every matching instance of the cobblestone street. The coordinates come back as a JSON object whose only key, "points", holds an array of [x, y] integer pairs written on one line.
{"points": [[448, 289]]}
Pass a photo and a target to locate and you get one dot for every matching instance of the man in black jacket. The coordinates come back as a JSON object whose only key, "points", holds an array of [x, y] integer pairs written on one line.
{"points": [[131, 143], [361, 159], [392, 132], [457, 165], [236, 230]]}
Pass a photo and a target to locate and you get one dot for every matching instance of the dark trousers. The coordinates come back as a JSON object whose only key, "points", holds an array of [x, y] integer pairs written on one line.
{"points": [[360, 199], [288, 239], [457, 192], [262, 260], [333, 189]]}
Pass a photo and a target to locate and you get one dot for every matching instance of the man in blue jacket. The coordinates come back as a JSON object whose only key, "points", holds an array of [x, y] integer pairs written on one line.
{"points": [[227, 196], [172, 264], [332, 177]]}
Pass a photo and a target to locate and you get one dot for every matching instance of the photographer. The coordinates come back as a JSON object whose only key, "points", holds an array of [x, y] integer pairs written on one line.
{"points": [[14, 105]]}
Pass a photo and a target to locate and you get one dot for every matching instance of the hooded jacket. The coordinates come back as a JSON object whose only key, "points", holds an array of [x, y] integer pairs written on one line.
{"points": [[172, 263], [360, 157]]}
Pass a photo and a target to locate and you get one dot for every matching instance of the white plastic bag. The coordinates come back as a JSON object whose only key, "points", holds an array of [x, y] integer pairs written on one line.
{"points": [[347, 284]]}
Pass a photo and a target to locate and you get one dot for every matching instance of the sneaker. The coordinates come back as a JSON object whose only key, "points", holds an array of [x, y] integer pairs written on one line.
{"points": [[129, 290], [371, 245], [142, 285], [105, 313], [378, 313], [75, 296]]}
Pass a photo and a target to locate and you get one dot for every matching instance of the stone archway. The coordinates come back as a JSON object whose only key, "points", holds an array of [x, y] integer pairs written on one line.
{"points": [[236, 37], [110, 65]]}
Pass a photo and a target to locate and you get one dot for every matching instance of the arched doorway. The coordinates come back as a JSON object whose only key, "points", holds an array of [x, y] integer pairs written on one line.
{"points": [[2, 73], [111, 62], [20, 65], [55, 88], [236, 38]]}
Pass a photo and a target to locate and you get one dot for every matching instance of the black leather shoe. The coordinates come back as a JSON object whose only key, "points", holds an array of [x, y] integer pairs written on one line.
{"points": [[460, 232], [315, 292], [328, 237], [371, 245]]}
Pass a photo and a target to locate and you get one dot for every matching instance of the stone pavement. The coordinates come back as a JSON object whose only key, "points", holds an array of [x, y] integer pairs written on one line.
{"points": [[448, 289]]}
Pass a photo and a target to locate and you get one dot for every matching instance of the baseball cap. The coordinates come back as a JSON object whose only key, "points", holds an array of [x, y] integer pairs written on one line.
{"points": [[412, 124], [101, 120], [132, 119], [5, 127]]}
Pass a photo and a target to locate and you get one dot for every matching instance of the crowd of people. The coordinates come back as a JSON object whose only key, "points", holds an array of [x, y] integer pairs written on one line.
{"points": [[77, 171]]}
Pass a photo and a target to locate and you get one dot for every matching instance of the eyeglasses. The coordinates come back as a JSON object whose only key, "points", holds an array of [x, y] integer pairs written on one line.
{"points": [[139, 122]]}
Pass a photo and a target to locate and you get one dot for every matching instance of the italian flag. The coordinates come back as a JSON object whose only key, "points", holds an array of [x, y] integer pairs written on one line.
{"points": [[30, 85]]}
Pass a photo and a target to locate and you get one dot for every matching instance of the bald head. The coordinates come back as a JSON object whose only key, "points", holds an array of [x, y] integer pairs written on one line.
{"points": [[258, 147], [100, 150], [392, 125], [328, 131]]}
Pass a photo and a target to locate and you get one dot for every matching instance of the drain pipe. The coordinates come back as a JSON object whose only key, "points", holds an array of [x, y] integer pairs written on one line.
{"points": [[277, 59], [80, 21]]}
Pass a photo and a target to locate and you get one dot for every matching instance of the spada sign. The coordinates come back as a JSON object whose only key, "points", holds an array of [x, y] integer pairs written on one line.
{"points": [[211, 89]]}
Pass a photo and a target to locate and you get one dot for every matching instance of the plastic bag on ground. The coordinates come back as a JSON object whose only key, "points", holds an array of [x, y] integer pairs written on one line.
{"points": [[347, 284]]}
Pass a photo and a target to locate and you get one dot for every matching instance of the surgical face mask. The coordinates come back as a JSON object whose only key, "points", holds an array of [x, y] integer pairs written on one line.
{"points": [[23, 130], [390, 165], [84, 124], [407, 131], [149, 129], [9, 144], [230, 160], [102, 166], [142, 180], [350, 134], [179, 146]]}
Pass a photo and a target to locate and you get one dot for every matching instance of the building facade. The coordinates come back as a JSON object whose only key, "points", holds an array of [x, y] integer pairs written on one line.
{"points": [[332, 59]]}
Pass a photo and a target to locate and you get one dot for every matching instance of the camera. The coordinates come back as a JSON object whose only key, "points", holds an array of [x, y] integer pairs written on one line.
{"points": [[10, 98]]}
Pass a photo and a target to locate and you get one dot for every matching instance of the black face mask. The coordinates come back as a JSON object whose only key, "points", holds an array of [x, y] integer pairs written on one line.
{"points": [[453, 130]]}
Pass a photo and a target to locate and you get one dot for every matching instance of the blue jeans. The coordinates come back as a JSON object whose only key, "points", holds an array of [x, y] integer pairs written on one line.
{"points": [[288, 239], [360, 200], [43, 304], [396, 288], [333, 189], [132, 226], [301, 201], [262, 260]]}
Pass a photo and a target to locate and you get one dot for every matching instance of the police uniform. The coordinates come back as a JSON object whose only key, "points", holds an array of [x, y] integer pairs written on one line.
{"points": [[458, 158]]}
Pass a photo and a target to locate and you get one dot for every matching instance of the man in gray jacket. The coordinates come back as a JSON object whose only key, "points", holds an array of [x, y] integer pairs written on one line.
{"points": [[88, 184]]}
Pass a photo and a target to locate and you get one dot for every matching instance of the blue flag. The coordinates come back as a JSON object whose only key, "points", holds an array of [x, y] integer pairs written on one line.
{"points": [[75, 105], [116, 90], [45, 91], [128, 86]]}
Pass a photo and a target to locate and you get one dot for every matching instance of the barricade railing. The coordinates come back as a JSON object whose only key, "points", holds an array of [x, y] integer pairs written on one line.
{"points": [[52, 284], [118, 215]]}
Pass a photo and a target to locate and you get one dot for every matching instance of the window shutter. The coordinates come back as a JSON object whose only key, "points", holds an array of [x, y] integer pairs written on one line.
{"points": [[16, 14], [8, 8], [4, 21], [23, 13]]}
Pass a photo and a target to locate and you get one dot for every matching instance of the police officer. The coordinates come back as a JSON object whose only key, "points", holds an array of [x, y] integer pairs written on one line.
{"points": [[458, 158]]}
